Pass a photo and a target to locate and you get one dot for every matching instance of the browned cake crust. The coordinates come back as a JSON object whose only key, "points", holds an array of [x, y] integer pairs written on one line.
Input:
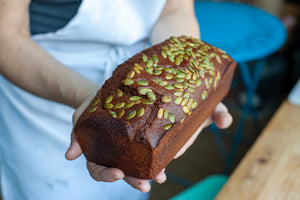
{"points": [[152, 105]]}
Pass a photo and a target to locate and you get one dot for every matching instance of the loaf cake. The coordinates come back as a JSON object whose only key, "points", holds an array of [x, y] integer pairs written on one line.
{"points": [[152, 105]]}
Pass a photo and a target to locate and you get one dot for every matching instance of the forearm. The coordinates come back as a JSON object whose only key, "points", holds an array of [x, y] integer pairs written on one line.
{"points": [[176, 21], [31, 68]]}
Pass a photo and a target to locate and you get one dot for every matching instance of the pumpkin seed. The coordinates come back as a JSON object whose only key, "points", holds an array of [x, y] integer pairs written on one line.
{"points": [[134, 98], [155, 58], [93, 109], [166, 99], [131, 114], [129, 105], [218, 59], [163, 83], [169, 87], [184, 102], [178, 93], [119, 105], [164, 54], [180, 80], [151, 96], [160, 113], [131, 74], [157, 80], [190, 89], [108, 105], [140, 67], [185, 109], [177, 85], [96, 102], [194, 105], [181, 75], [137, 101], [149, 63], [186, 95], [142, 82], [206, 81], [140, 112], [121, 113], [167, 126], [145, 58], [204, 95], [109, 99], [128, 81], [177, 61], [137, 70], [166, 114], [113, 114], [149, 70], [169, 76], [157, 72], [119, 93], [144, 91], [146, 101], [198, 82], [171, 117], [215, 84], [178, 100]]}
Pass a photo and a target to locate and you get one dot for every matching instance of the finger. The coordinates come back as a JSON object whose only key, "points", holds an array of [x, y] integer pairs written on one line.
{"points": [[74, 150], [161, 177], [101, 173], [140, 184], [222, 120]]}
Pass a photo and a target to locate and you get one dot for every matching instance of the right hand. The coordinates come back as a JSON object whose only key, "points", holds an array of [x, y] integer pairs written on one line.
{"points": [[102, 173]]}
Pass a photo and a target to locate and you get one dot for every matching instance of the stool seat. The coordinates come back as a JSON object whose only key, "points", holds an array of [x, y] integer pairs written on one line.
{"points": [[245, 32], [206, 189]]}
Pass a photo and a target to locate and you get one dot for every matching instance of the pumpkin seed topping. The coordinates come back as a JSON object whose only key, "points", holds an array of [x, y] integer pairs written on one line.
{"points": [[108, 106], [93, 109], [142, 82], [128, 81], [96, 102], [121, 113], [119, 93], [131, 114], [140, 112], [167, 126], [119, 105], [160, 113], [113, 114], [129, 105], [166, 99], [109, 99]]}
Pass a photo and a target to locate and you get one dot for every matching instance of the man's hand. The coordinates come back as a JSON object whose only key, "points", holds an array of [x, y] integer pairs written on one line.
{"points": [[220, 116], [101, 173]]}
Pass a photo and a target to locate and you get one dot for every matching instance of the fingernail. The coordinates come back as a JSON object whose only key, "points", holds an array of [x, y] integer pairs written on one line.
{"points": [[144, 188]]}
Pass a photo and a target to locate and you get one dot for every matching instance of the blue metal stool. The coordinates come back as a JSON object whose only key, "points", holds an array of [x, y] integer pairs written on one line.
{"points": [[247, 34], [206, 189]]}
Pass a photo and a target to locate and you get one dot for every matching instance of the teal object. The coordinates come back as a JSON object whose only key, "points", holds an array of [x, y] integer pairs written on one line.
{"points": [[206, 189], [245, 32]]}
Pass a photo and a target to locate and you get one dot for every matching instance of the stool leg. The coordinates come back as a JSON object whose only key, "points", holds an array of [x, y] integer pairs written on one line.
{"points": [[219, 141], [250, 91]]}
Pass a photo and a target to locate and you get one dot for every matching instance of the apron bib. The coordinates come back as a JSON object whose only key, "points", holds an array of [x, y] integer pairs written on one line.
{"points": [[35, 133]]}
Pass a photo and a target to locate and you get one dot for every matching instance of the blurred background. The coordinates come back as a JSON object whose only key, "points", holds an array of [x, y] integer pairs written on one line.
{"points": [[280, 73]]}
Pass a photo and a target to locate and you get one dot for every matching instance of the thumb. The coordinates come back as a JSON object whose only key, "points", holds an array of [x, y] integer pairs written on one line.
{"points": [[74, 150]]}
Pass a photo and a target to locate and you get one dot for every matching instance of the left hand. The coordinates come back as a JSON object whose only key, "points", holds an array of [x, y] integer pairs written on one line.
{"points": [[220, 116]]}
